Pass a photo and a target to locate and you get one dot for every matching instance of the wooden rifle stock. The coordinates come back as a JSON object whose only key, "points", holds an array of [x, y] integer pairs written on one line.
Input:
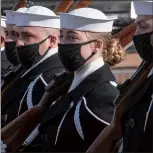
{"points": [[14, 134], [111, 134], [126, 35], [81, 4], [20, 4], [63, 6]]}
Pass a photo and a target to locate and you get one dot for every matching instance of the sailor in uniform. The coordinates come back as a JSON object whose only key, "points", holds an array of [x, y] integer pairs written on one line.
{"points": [[138, 122], [13, 68], [73, 122], [38, 36], [4, 62]]}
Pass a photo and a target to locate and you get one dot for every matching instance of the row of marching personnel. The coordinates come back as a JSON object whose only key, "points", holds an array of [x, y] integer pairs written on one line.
{"points": [[42, 47]]}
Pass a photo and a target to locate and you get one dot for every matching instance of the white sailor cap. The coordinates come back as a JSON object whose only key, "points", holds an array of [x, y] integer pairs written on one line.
{"points": [[3, 21], [143, 7], [10, 15], [37, 16], [87, 19]]}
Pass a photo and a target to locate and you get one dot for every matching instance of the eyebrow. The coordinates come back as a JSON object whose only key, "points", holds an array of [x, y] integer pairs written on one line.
{"points": [[69, 32], [72, 32], [141, 21], [25, 33], [12, 30]]}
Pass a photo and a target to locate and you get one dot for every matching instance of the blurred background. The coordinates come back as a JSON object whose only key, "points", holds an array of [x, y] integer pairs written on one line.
{"points": [[121, 9]]}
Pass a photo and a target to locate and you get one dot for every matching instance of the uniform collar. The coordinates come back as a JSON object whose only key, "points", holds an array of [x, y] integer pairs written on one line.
{"points": [[2, 49], [101, 75], [49, 54], [86, 70]]}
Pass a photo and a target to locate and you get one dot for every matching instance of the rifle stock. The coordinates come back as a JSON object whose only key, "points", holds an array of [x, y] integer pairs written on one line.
{"points": [[126, 35], [81, 4], [63, 6], [19, 4], [14, 134]]}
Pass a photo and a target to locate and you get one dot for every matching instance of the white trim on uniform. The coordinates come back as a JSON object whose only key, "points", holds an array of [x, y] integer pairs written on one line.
{"points": [[21, 101], [42, 79], [121, 148], [148, 112], [113, 83], [29, 94], [62, 121], [151, 72], [77, 120], [91, 113]]}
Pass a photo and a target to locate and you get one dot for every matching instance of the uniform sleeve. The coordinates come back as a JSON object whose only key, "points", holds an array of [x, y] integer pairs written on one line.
{"points": [[99, 101]]}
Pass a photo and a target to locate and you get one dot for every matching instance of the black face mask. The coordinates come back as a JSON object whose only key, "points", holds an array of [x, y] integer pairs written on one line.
{"points": [[28, 55], [70, 55], [11, 53], [143, 46]]}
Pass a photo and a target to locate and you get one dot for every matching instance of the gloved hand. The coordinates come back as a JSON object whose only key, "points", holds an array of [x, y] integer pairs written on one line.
{"points": [[3, 147]]}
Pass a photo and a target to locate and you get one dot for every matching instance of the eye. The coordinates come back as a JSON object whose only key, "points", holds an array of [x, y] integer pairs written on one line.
{"points": [[7, 33], [27, 36], [61, 36], [17, 34], [72, 37], [143, 26]]}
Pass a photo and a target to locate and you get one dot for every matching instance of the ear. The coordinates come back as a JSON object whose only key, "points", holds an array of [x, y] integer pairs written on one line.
{"points": [[98, 45], [53, 41]]}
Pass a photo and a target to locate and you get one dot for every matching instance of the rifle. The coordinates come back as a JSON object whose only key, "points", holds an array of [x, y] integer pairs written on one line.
{"points": [[16, 131]]}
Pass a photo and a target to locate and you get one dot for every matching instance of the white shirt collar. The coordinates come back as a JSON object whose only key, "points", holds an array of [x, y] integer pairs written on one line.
{"points": [[84, 71], [50, 53], [2, 49]]}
